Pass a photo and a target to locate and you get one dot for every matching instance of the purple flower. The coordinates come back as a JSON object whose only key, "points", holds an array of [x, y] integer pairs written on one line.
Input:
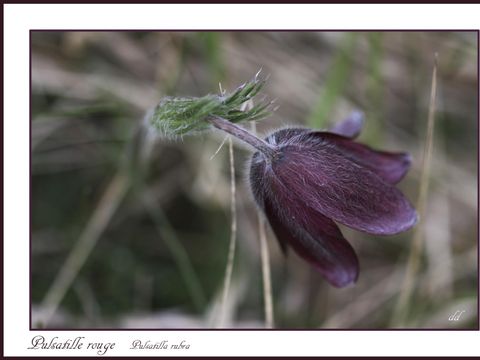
{"points": [[313, 179]]}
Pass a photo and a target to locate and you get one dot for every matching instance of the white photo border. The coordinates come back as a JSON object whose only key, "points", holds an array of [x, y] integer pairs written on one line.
{"points": [[20, 19]]}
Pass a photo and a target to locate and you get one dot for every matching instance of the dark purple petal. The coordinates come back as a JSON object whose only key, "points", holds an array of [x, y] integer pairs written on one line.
{"points": [[351, 126], [283, 237], [316, 239], [259, 186], [314, 178], [390, 166], [313, 236], [316, 171]]}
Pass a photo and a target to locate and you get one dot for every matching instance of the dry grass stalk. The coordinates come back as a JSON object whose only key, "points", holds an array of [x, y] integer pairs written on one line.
{"points": [[402, 306], [233, 236]]}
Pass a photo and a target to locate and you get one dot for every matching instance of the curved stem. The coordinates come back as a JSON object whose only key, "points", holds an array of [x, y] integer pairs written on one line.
{"points": [[261, 145]]}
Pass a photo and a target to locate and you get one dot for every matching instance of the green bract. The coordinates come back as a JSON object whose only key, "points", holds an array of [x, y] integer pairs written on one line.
{"points": [[180, 116]]}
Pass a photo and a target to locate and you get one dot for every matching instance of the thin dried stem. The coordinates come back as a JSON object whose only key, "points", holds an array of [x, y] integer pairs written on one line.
{"points": [[98, 222], [267, 284], [233, 237], [402, 307], [219, 147]]}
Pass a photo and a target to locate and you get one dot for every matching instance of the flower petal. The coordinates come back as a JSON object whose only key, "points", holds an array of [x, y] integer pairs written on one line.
{"points": [[318, 240], [313, 236], [390, 166], [351, 126], [318, 172]]}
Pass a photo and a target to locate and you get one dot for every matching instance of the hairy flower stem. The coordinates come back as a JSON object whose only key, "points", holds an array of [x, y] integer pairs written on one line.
{"points": [[240, 133]]}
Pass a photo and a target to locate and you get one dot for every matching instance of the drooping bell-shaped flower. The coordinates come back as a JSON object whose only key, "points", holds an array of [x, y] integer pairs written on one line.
{"points": [[305, 180], [313, 179]]}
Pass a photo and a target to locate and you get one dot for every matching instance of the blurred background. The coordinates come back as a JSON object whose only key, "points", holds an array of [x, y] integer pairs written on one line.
{"points": [[151, 245]]}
